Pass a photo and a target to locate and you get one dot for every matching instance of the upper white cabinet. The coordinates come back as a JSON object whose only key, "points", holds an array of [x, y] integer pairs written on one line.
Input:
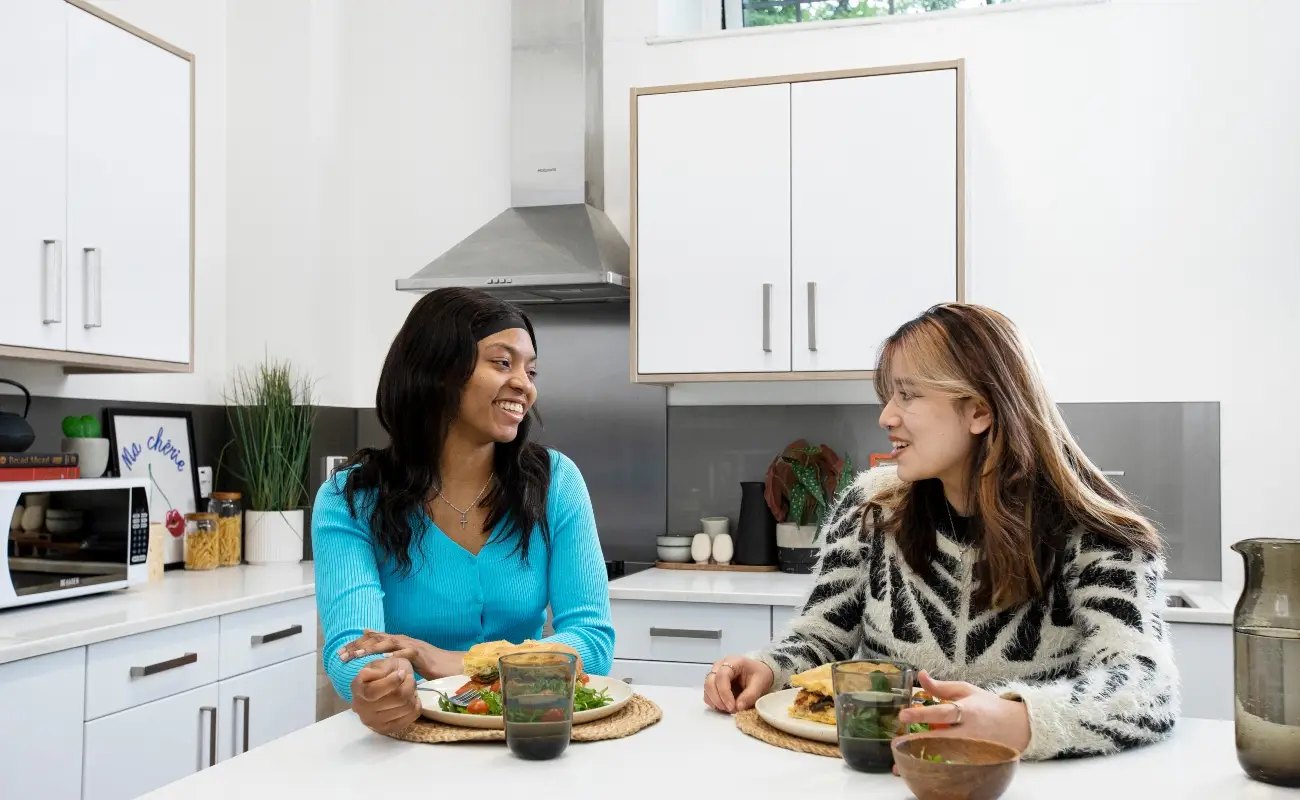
{"points": [[713, 241], [95, 241], [33, 172], [128, 194], [783, 228], [873, 227]]}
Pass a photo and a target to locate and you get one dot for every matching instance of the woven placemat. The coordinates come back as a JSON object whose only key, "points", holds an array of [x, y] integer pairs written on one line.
{"points": [[637, 715], [751, 723]]}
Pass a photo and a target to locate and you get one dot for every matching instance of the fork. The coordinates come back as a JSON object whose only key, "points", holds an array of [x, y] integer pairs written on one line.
{"points": [[465, 698]]}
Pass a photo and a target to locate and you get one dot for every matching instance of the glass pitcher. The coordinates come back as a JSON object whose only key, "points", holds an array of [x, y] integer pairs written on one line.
{"points": [[1266, 650]]}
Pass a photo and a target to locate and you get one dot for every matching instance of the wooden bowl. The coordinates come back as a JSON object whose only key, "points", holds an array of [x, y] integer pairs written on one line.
{"points": [[973, 769]]}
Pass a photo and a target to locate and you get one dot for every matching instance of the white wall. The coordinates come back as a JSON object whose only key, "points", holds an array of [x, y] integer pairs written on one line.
{"points": [[1133, 186], [364, 141], [198, 26], [427, 95]]}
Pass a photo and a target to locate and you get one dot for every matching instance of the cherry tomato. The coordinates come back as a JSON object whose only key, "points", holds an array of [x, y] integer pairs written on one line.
{"points": [[479, 706], [496, 685], [553, 715], [584, 679]]}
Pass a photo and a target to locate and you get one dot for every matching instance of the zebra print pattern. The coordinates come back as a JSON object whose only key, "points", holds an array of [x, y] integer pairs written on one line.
{"points": [[1093, 665]]}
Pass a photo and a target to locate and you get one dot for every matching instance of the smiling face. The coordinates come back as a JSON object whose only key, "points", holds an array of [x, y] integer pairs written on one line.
{"points": [[933, 433], [501, 391]]}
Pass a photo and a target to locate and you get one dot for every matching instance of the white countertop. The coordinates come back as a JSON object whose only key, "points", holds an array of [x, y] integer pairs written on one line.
{"points": [[781, 589], [178, 598], [692, 752]]}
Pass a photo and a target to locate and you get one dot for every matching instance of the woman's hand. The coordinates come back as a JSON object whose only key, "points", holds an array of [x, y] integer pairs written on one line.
{"points": [[972, 712], [736, 683], [383, 695], [429, 661]]}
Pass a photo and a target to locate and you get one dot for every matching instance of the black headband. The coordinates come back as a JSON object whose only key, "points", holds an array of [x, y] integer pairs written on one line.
{"points": [[497, 324]]}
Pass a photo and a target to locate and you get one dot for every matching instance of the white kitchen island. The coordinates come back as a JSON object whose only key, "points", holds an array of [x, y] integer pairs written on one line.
{"points": [[693, 752]]}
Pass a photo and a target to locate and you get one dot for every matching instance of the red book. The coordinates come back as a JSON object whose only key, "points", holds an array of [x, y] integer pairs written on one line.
{"points": [[38, 473]]}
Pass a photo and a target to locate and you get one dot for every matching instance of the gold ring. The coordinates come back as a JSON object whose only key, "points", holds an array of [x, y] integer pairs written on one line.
{"points": [[725, 664], [712, 672], [957, 706]]}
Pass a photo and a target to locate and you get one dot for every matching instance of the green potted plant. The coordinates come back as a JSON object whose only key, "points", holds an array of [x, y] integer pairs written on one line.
{"points": [[802, 484], [82, 436], [271, 413]]}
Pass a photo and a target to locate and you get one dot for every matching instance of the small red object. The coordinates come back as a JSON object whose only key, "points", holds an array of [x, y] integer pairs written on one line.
{"points": [[175, 523]]}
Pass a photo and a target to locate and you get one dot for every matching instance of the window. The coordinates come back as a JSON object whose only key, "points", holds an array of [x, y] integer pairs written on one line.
{"points": [[753, 13]]}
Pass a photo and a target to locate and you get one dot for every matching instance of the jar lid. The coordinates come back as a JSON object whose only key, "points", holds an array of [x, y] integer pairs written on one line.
{"points": [[226, 495], [200, 516]]}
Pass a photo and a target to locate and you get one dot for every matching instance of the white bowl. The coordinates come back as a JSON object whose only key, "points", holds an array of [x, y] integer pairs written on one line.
{"points": [[680, 555], [675, 540]]}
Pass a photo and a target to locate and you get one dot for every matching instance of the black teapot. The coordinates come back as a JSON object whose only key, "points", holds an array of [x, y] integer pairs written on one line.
{"points": [[16, 434]]}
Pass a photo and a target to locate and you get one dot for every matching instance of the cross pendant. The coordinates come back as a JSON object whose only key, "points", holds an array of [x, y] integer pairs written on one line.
{"points": [[464, 520]]}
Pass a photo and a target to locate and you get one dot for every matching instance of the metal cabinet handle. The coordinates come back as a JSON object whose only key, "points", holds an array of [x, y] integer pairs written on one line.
{"points": [[685, 633], [263, 638], [52, 272], [163, 666], [247, 705], [94, 293], [812, 316], [212, 735], [767, 318]]}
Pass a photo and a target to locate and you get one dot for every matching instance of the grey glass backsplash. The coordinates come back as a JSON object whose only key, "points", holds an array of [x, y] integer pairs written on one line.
{"points": [[1168, 453]]}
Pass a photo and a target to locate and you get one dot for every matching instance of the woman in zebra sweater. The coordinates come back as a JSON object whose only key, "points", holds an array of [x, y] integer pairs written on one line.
{"points": [[997, 558]]}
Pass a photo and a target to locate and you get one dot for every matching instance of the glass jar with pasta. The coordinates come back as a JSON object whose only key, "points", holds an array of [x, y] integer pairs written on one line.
{"points": [[230, 523], [202, 542]]}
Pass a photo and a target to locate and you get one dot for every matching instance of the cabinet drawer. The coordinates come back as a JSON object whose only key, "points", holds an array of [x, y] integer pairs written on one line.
{"points": [[138, 669], [263, 636], [141, 749], [698, 633], [660, 673]]}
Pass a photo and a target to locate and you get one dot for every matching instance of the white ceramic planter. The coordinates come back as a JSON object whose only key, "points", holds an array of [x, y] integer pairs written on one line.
{"points": [[789, 534], [273, 537], [92, 455]]}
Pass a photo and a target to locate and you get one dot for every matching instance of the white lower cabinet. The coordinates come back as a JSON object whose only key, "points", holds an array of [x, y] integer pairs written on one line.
{"points": [[41, 704], [265, 704], [137, 750], [1203, 655]]}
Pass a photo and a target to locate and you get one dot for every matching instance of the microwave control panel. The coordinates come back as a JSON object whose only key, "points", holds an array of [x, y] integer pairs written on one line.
{"points": [[139, 527]]}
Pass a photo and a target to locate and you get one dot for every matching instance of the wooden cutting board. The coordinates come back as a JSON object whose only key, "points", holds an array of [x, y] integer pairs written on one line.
{"points": [[714, 567]]}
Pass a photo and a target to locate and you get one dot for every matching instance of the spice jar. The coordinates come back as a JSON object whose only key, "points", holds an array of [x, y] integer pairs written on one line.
{"points": [[230, 527], [202, 542]]}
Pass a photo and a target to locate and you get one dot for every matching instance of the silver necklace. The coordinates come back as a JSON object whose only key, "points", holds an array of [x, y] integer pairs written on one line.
{"points": [[464, 512]]}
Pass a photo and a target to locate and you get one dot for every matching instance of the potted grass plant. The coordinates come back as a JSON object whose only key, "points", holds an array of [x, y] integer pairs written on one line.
{"points": [[802, 484], [271, 414]]}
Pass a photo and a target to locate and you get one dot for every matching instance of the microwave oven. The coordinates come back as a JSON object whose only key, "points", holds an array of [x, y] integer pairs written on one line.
{"points": [[67, 538]]}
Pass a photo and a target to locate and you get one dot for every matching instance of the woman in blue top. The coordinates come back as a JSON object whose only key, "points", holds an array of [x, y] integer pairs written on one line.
{"points": [[460, 530]]}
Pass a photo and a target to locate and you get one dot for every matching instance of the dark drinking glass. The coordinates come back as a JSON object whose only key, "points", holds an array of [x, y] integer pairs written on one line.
{"points": [[537, 703], [868, 698]]}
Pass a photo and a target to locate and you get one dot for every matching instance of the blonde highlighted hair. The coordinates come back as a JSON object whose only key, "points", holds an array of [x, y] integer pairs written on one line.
{"points": [[1030, 482]]}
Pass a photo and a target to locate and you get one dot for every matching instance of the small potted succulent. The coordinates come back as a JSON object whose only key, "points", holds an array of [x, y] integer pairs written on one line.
{"points": [[82, 437], [802, 485]]}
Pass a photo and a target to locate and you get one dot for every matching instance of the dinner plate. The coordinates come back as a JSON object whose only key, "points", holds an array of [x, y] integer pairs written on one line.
{"points": [[773, 709], [428, 691]]}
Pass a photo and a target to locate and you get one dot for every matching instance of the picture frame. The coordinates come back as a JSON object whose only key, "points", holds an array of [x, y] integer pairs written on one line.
{"points": [[156, 444]]}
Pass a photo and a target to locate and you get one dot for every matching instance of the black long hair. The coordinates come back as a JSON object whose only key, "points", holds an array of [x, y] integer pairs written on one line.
{"points": [[429, 363]]}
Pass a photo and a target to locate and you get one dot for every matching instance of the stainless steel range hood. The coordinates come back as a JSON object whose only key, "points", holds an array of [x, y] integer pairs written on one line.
{"points": [[554, 244]]}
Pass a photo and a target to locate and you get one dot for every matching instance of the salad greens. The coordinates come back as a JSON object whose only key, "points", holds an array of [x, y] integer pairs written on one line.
{"points": [[493, 700]]}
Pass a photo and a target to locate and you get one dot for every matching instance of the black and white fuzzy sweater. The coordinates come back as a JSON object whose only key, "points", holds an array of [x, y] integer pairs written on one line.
{"points": [[1094, 665]]}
